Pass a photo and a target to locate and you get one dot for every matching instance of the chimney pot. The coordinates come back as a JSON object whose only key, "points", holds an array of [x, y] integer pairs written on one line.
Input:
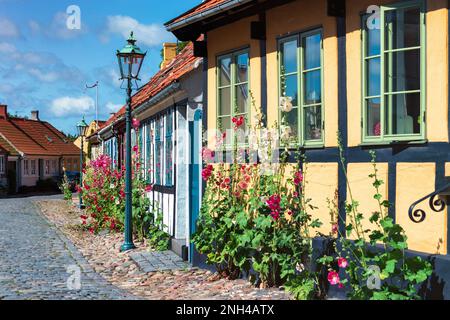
{"points": [[35, 115], [169, 53], [3, 111]]}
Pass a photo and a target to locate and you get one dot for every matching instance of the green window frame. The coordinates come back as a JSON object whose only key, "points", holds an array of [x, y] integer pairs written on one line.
{"points": [[233, 91], [398, 55], [300, 69]]}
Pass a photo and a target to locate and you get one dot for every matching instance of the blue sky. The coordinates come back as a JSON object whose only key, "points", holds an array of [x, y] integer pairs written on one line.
{"points": [[45, 66]]}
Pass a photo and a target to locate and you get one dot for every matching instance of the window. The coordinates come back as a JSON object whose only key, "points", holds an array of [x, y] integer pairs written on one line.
{"points": [[26, 167], [33, 167], [232, 89], [69, 165], [301, 110], [2, 164], [394, 74], [47, 167], [169, 149], [149, 138], [159, 147], [54, 167]]}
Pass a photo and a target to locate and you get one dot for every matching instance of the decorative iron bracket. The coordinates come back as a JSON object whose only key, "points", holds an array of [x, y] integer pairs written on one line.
{"points": [[438, 201]]}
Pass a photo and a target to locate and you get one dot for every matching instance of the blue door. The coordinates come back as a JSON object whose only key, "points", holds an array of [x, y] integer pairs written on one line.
{"points": [[194, 176]]}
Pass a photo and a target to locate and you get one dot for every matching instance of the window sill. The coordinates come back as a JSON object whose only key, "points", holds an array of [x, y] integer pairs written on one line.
{"points": [[393, 143]]}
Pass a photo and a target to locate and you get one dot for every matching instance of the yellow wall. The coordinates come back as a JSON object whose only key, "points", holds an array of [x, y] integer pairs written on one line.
{"points": [[414, 181], [362, 190], [321, 185], [437, 68]]}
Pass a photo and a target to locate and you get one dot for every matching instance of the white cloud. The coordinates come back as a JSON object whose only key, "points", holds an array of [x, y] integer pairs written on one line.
{"points": [[70, 106], [7, 48], [113, 107], [57, 28], [150, 35], [8, 29]]}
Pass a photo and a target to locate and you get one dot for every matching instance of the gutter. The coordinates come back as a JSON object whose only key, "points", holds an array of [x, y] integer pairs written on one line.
{"points": [[174, 87], [205, 14]]}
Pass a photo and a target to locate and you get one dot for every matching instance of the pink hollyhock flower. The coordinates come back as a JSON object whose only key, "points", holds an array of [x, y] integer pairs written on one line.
{"points": [[243, 185], [342, 263], [334, 228], [333, 278], [207, 155], [298, 178], [136, 123], [275, 214], [295, 194], [148, 188], [247, 178]]}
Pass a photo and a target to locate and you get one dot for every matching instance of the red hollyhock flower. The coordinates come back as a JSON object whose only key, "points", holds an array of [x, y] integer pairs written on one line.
{"points": [[342, 263], [135, 148], [333, 278], [207, 172], [298, 178], [148, 188], [238, 121]]}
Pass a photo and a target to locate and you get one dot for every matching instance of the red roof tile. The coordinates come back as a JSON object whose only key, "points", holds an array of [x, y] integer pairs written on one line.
{"points": [[205, 5], [36, 137], [182, 64]]}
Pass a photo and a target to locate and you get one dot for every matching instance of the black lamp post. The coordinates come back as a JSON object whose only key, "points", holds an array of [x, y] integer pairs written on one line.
{"points": [[130, 62], [81, 128]]}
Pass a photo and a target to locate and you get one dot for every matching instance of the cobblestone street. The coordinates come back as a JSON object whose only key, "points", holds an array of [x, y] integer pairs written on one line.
{"points": [[40, 237], [34, 258]]}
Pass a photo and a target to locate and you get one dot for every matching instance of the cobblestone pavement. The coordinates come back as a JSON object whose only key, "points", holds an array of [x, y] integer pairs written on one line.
{"points": [[158, 261], [102, 252], [35, 257]]}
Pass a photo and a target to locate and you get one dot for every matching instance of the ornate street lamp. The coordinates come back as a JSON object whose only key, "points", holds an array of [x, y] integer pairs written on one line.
{"points": [[81, 128], [130, 62]]}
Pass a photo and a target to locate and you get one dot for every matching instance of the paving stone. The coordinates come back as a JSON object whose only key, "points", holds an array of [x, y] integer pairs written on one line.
{"points": [[35, 256]]}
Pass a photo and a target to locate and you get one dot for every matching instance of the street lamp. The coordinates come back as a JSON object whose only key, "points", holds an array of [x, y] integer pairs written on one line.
{"points": [[81, 128], [130, 62]]}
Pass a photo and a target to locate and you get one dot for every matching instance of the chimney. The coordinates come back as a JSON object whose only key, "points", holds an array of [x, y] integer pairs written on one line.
{"points": [[35, 115], [3, 111], [169, 52]]}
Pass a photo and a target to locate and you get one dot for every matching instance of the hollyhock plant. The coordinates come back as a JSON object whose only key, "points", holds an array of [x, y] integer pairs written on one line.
{"points": [[238, 122]]}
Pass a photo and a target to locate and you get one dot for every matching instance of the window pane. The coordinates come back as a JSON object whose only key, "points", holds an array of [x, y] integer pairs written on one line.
{"points": [[402, 71], [311, 47], [289, 56], [403, 113], [291, 119], [373, 77], [313, 90], [402, 28], [169, 164], [241, 98], [373, 41], [241, 68], [291, 88], [224, 124], [224, 71], [313, 123], [373, 117], [225, 101]]}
